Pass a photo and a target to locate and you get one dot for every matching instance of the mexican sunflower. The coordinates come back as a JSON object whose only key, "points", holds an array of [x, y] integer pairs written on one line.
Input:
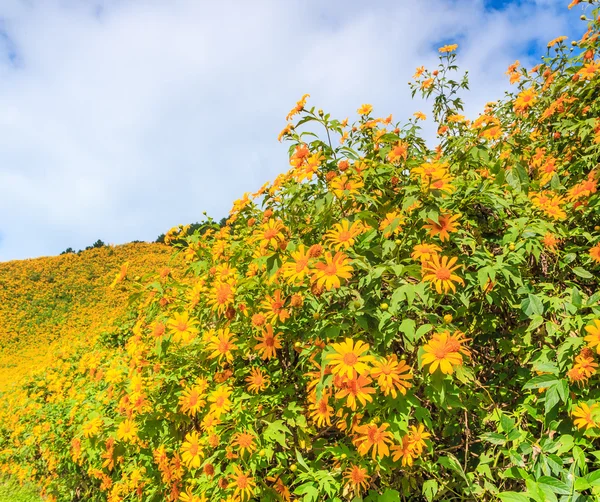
{"points": [[268, 344], [357, 479], [243, 483], [320, 411], [257, 380], [356, 389], [275, 307], [593, 338], [296, 270], [440, 272], [244, 441], [445, 351], [349, 359], [182, 328], [594, 253], [343, 235], [373, 436], [586, 416], [392, 375], [191, 452], [336, 267], [445, 225], [424, 252], [222, 344], [191, 401]]}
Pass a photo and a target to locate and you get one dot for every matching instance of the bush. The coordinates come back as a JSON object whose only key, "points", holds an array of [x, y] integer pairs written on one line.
{"points": [[382, 321]]}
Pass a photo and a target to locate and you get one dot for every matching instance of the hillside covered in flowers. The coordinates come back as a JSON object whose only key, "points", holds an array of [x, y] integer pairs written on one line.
{"points": [[384, 321]]}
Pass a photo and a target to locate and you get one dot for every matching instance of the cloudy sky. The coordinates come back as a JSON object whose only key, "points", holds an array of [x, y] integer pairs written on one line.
{"points": [[122, 118]]}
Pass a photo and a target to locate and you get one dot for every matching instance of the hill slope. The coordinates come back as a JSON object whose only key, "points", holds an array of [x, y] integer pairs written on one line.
{"points": [[57, 303]]}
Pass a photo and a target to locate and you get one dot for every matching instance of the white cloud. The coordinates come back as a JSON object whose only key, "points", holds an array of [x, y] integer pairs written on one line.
{"points": [[121, 119]]}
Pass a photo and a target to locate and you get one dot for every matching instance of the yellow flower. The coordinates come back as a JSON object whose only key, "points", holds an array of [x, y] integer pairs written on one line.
{"points": [[222, 345], [445, 351], [320, 411], [244, 484], [268, 344], [336, 267], [357, 479], [373, 436], [92, 427], [191, 401], [257, 381], [365, 110], [191, 452], [448, 48], [127, 431], [440, 272], [182, 328], [593, 339], [349, 359], [392, 375], [343, 235], [586, 416]]}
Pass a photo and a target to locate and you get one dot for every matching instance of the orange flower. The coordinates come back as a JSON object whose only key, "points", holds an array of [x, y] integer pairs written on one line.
{"points": [[392, 375], [419, 116], [448, 48], [295, 271], [373, 436], [525, 100], [191, 401], [557, 40], [269, 343], [391, 224], [348, 358], [222, 344], [344, 185], [274, 305], [244, 441], [589, 70], [440, 272], [365, 109], [356, 389], [550, 242], [343, 235], [191, 452], [445, 225], [398, 152], [220, 401], [593, 339], [221, 295], [298, 108], [257, 381], [244, 484], [584, 367], [320, 411], [336, 267], [357, 479], [594, 252], [586, 416], [182, 328], [445, 351], [425, 252]]}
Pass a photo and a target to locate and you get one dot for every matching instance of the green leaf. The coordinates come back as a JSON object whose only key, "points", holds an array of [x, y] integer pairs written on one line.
{"points": [[581, 272], [540, 382], [513, 497], [408, 328], [430, 488], [556, 485], [390, 496], [532, 305]]}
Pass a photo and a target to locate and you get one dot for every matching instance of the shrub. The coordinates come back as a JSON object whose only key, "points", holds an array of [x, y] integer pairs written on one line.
{"points": [[384, 320]]}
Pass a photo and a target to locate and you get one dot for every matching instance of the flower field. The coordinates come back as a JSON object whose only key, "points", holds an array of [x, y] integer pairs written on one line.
{"points": [[387, 320]]}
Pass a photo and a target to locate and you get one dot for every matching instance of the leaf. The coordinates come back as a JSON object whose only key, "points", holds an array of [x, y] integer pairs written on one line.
{"points": [[426, 328], [430, 488], [540, 382], [532, 305], [552, 399], [581, 272], [390, 496], [556, 485], [408, 328], [494, 438], [513, 497]]}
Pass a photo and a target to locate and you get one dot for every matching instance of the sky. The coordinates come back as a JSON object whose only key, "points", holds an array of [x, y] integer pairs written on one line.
{"points": [[120, 119]]}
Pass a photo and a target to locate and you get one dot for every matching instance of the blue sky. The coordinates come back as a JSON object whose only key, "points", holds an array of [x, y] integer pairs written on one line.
{"points": [[120, 119]]}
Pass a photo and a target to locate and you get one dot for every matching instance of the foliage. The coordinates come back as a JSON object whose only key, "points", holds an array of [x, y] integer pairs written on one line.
{"points": [[382, 322]]}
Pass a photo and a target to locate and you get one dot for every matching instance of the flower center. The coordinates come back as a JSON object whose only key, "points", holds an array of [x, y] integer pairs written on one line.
{"points": [[350, 359], [443, 274]]}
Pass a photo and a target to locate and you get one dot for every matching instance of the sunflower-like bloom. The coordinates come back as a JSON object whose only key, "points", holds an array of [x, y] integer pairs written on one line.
{"points": [[349, 359], [343, 235], [357, 479], [585, 416], [336, 267], [445, 351], [440, 272], [191, 452], [593, 338], [392, 375], [373, 436]]}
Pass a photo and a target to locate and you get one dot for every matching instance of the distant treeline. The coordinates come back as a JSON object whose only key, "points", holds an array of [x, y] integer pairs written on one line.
{"points": [[161, 238]]}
